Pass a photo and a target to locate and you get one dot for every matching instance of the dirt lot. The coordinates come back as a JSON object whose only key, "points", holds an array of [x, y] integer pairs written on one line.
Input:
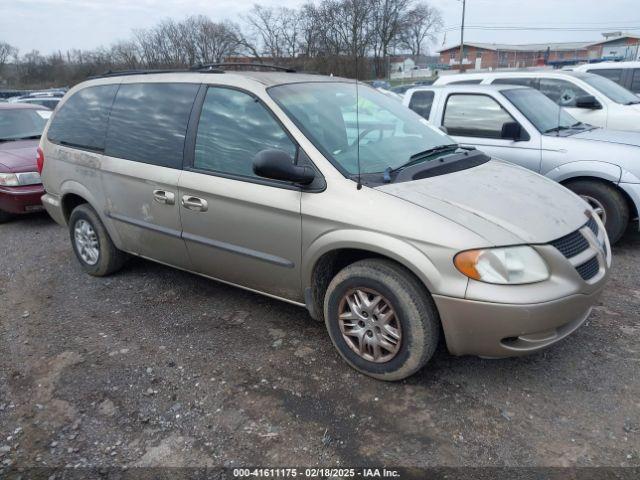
{"points": [[155, 367]]}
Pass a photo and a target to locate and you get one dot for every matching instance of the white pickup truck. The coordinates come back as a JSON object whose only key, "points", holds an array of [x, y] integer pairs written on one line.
{"points": [[522, 126]]}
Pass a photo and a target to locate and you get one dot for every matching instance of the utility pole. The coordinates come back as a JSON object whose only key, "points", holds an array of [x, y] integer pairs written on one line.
{"points": [[462, 36]]}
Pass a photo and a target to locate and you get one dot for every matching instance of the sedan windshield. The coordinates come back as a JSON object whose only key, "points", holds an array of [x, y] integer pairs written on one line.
{"points": [[374, 129], [611, 89], [545, 114], [18, 124]]}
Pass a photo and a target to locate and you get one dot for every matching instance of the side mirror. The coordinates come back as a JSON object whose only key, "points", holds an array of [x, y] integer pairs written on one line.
{"points": [[588, 101], [278, 165], [511, 131]]}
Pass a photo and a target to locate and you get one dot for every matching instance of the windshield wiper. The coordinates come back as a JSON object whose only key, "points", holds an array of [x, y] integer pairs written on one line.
{"points": [[632, 102], [419, 157], [15, 139], [557, 129]]}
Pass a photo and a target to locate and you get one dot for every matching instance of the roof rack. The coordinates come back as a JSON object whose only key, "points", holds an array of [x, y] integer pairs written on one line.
{"points": [[213, 66], [201, 68]]}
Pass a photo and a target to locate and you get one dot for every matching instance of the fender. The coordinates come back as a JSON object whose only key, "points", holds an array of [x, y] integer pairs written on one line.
{"points": [[71, 186], [585, 168], [399, 250]]}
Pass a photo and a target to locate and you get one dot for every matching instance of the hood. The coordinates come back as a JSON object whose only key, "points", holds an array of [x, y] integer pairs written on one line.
{"points": [[618, 137], [19, 156], [503, 203], [616, 147]]}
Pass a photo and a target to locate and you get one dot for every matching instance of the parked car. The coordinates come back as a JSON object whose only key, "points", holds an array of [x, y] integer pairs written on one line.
{"points": [[383, 84], [522, 126], [589, 98], [20, 185], [626, 74], [383, 228], [401, 89], [50, 103]]}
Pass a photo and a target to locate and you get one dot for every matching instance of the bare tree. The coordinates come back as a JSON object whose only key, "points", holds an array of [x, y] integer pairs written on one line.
{"points": [[6, 51], [418, 25], [387, 18]]}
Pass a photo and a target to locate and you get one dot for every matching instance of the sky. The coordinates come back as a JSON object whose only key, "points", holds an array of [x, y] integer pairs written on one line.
{"points": [[51, 25]]}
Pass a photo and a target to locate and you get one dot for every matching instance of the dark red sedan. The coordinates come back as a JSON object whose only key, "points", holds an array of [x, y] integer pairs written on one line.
{"points": [[21, 125]]}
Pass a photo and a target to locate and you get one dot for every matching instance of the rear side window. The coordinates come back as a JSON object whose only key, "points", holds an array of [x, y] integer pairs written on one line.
{"points": [[421, 102], [526, 82], [635, 81], [82, 120], [614, 74], [233, 128], [148, 122]]}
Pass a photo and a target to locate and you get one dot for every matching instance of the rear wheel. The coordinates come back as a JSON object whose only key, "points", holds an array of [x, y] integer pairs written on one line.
{"points": [[381, 319], [607, 202], [91, 243]]}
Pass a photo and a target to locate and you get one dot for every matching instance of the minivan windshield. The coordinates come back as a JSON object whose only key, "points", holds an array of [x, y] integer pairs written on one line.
{"points": [[22, 123], [544, 113], [389, 135], [610, 89]]}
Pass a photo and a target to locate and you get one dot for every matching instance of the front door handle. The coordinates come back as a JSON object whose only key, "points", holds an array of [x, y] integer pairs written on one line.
{"points": [[194, 203], [164, 197]]}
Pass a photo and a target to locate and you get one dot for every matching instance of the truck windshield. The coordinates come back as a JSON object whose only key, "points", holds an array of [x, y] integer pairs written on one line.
{"points": [[387, 133], [545, 114]]}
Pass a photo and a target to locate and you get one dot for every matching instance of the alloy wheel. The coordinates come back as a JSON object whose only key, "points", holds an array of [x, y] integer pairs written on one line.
{"points": [[86, 242], [369, 325]]}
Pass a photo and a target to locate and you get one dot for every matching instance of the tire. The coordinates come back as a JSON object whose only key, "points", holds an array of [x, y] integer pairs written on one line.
{"points": [[415, 315], [109, 259], [5, 216], [615, 206]]}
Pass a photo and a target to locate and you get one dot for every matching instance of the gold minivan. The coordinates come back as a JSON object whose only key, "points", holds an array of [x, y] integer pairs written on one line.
{"points": [[327, 194]]}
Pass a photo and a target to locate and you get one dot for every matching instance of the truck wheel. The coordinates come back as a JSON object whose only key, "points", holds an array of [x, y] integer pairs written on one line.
{"points": [[381, 319], [91, 243], [608, 203]]}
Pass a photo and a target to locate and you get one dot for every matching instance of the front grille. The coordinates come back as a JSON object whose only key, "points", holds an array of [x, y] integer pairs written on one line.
{"points": [[589, 269], [593, 226], [572, 244]]}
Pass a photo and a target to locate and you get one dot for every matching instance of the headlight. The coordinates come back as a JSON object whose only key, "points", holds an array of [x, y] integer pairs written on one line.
{"points": [[19, 179], [505, 266]]}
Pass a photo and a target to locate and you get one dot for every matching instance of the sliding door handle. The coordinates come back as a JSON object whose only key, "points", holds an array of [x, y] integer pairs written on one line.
{"points": [[194, 203], [164, 197]]}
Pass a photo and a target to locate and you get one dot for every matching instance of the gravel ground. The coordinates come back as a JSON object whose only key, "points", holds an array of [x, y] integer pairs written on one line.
{"points": [[158, 367]]}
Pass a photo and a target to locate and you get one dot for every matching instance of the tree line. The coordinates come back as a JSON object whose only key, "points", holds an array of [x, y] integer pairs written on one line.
{"points": [[340, 37]]}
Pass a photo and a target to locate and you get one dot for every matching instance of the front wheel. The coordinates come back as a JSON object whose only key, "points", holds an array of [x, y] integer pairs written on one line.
{"points": [[381, 319], [607, 202]]}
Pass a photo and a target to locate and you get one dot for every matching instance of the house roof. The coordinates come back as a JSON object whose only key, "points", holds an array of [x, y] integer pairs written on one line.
{"points": [[528, 47], [615, 38]]}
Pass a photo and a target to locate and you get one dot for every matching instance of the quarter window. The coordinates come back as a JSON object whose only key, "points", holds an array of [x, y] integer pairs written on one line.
{"points": [[560, 91], [421, 102], [148, 122], [474, 116], [82, 120], [233, 128]]}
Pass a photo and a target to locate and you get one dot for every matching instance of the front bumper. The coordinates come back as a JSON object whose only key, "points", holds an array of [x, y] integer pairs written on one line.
{"points": [[23, 199], [504, 330]]}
